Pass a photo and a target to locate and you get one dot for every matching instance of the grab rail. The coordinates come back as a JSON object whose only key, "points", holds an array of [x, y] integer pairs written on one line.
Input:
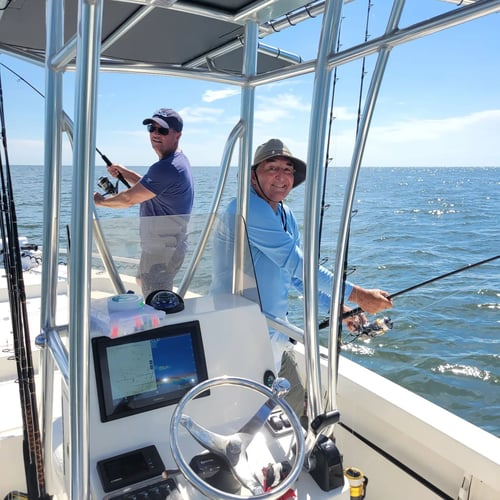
{"points": [[106, 258], [235, 134]]}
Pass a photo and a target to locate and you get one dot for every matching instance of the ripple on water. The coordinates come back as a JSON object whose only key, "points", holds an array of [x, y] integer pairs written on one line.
{"points": [[466, 371]]}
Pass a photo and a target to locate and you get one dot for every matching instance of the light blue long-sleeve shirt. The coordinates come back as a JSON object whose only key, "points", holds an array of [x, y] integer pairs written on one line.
{"points": [[276, 251]]}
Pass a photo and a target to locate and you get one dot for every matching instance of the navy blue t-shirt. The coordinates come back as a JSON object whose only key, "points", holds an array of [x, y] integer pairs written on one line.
{"points": [[171, 181]]}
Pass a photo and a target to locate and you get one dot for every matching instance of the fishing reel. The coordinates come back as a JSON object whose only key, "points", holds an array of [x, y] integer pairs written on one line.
{"points": [[374, 328], [107, 186]]}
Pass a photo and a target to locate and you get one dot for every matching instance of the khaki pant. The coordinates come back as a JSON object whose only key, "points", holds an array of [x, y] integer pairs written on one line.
{"points": [[157, 270], [289, 370]]}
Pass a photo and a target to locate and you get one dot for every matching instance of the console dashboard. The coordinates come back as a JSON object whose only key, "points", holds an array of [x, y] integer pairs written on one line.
{"points": [[137, 379]]}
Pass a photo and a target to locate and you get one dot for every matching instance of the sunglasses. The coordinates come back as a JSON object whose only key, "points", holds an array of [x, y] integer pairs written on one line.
{"points": [[160, 130]]}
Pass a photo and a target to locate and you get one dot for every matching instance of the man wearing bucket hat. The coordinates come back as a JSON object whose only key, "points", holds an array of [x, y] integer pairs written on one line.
{"points": [[275, 245], [165, 195]]}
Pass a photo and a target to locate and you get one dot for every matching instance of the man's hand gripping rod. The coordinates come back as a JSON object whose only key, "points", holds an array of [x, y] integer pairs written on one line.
{"points": [[108, 162]]}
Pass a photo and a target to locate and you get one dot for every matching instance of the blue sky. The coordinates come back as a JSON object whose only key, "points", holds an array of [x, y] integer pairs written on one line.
{"points": [[439, 103]]}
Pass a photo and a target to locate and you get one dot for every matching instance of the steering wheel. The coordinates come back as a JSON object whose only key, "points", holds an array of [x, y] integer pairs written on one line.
{"points": [[233, 447]]}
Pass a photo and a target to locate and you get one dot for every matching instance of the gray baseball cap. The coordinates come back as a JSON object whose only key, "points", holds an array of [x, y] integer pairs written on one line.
{"points": [[167, 118]]}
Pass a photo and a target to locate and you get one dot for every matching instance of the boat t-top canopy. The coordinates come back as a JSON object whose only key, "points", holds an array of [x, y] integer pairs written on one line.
{"points": [[161, 34]]}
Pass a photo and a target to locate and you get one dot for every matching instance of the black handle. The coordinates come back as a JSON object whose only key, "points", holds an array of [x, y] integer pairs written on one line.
{"points": [[109, 163]]}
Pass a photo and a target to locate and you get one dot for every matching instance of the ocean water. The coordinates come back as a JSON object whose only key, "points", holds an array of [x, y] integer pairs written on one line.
{"points": [[410, 225]]}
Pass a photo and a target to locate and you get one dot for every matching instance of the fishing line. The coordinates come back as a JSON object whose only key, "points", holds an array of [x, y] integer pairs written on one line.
{"points": [[104, 157], [352, 337], [358, 310], [351, 347], [22, 79], [359, 335], [353, 312]]}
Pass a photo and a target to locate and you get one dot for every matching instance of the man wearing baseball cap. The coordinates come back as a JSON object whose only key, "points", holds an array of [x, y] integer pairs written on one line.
{"points": [[275, 245], [166, 118], [165, 195]]}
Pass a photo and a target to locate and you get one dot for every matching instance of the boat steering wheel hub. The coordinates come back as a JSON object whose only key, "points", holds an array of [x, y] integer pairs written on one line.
{"points": [[232, 448]]}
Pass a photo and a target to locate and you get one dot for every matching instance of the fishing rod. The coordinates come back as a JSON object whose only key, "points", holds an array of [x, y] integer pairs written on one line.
{"points": [[371, 326], [104, 157], [108, 162], [32, 443], [363, 65], [324, 206], [358, 310]]}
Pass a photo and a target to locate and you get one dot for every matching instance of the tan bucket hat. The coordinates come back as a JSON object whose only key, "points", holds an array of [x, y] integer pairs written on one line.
{"points": [[275, 147]]}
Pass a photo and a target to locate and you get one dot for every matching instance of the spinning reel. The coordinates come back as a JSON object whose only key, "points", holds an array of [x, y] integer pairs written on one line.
{"points": [[107, 186], [377, 327]]}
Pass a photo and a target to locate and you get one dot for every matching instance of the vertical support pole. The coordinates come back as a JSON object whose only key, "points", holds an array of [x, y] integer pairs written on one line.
{"points": [[51, 215], [88, 57], [245, 159], [312, 210]]}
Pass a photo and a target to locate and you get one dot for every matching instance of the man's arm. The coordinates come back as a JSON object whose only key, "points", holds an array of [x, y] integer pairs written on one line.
{"points": [[129, 175], [124, 199], [370, 300]]}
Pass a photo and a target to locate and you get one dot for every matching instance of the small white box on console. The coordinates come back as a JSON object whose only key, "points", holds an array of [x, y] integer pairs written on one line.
{"points": [[123, 315]]}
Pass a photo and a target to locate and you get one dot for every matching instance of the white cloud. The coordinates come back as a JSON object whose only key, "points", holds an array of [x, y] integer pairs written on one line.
{"points": [[468, 140], [217, 95], [343, 113], [271, 115], [201, 114], [424, 130], [279, 108], [288, 101]]}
